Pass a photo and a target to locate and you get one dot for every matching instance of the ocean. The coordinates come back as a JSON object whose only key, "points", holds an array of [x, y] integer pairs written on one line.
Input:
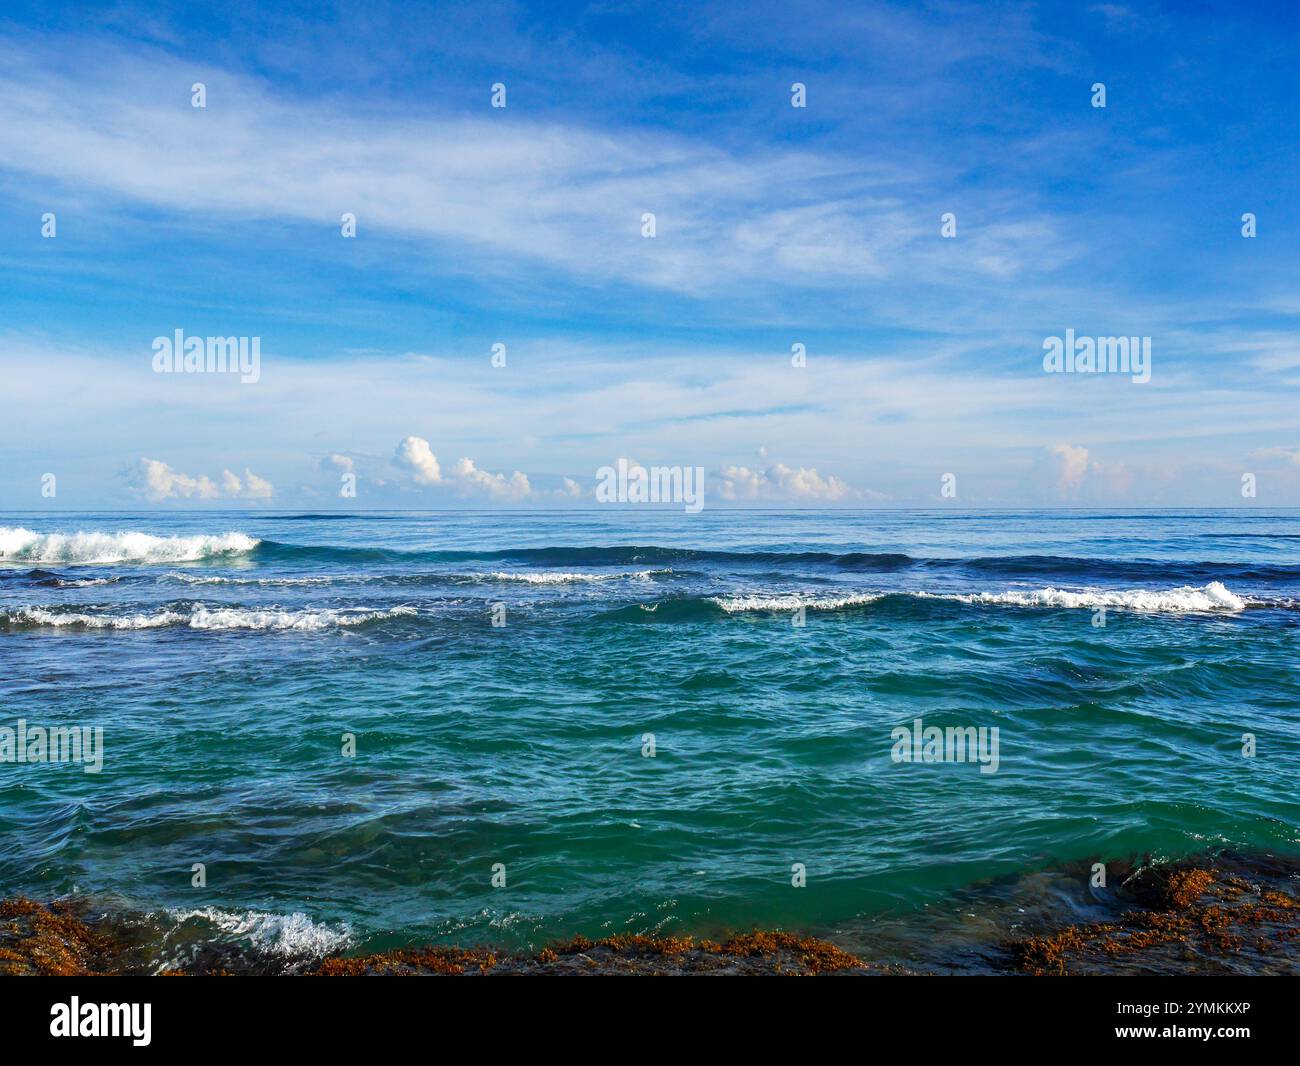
{"points": [[353, 732]]}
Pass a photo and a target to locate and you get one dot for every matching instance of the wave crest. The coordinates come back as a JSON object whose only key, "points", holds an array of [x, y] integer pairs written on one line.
{"points": [[264, 582], [1212, 597], [26, 546], [562, 577], [197, 616], [289, 936], [1188, 599], [740, 604]]}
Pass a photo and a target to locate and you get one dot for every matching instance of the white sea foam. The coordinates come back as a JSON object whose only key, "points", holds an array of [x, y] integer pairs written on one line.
{"points": [[238, 618], [200, 617], [288, 936], [204, 579], [45, 616], [737, 604], [545, 577], [26, 546], [561, 577], [1212, 597]]}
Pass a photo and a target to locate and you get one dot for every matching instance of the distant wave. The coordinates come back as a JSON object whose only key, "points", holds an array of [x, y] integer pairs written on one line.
{"points": [[541, 577], [26, 546], [197, 616], [330, 516], [562, 557], [564, 578], [1252, 536], [1214, 597], [265, 582]]}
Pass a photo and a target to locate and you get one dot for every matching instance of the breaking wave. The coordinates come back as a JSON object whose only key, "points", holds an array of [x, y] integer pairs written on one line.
{"points": [[287, 936], [197, 616], [564, 578], [25, 546], [541, 577], [739, 604], [264, 582], [1212, 597]]}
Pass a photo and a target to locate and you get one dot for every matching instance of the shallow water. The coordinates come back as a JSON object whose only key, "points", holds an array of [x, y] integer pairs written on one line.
{"points": [[226, 660]]}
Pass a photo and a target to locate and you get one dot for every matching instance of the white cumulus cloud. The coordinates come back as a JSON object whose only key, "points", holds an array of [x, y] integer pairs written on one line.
{"points": [[156, 480], [256, 488], [498, 486], [415, 455], [1072, 466], [781, 482]]}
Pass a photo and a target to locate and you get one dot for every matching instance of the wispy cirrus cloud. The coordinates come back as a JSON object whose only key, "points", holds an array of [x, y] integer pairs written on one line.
{"points": [[529, 189]]}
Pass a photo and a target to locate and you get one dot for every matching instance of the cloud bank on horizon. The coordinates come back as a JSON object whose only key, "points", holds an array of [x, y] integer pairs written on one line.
{"points": [[648, 251]]}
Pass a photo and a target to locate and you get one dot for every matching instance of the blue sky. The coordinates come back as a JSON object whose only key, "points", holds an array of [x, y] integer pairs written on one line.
{"points": [[774, 226]]}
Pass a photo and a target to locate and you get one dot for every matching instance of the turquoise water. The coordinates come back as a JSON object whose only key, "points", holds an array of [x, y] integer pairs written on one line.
{"points": [[226, 660]]}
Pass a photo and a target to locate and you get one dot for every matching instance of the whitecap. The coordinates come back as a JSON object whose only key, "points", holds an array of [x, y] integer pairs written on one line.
{"points": [[266, 582], [736, 604], [25, 546], [201, 617], [290, 936], [1212, 597], [561, 577]]}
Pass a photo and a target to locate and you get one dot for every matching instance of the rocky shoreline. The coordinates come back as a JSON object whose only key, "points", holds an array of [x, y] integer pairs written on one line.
{"points": [[1229, 914]]}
